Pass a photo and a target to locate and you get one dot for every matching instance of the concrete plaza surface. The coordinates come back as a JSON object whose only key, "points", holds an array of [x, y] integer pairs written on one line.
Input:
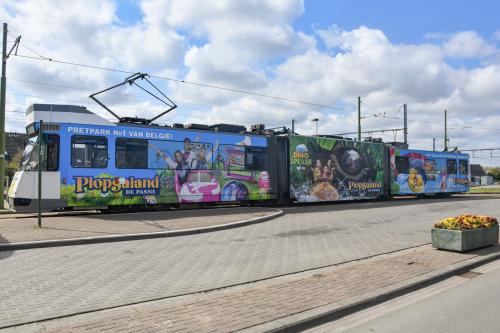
{"points": [[46, 283], [14, 230], [266, 306]]}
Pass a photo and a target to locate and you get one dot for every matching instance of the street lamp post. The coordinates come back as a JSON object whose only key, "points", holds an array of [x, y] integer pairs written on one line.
{"points": [[316, 120]]}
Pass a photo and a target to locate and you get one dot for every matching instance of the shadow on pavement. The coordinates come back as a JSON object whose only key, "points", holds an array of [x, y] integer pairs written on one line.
{"points": [[369, 204], [4, 254], [488, 250], [176, 214]]}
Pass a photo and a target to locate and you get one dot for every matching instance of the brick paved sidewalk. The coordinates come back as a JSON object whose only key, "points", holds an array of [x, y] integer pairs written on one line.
{"points": [[13, 230], [245, 306]]}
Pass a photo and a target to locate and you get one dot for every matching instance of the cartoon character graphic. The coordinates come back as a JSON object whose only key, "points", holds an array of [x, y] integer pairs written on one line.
{"points": [[317, 171], [202, 158], [352, 161], [234, 191], [392, 161], [444, 178], [325, 191], [187, 149], [415, 181], [326, 173]]}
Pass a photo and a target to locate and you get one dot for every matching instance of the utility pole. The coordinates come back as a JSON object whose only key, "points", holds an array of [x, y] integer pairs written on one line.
{"points": [[433, 144], [445, 133], [40, 167], [405, 131], [2, 117], [3, 90], [316, 120], [359, 118], [293, 126]]}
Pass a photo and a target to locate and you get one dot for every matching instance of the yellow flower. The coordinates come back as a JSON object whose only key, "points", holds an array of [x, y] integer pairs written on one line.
{"points": [[466, 222]]}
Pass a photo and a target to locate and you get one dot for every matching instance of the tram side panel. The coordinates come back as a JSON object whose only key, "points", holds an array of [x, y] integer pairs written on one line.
{"points": [[130, 165], [418, 172], [329, 169]]}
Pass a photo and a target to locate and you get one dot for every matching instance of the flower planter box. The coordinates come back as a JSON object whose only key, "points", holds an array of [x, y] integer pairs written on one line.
{"points": [[464, 240]]}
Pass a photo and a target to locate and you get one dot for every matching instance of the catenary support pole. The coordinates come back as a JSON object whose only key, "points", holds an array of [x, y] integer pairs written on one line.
{"points": [[40, 167], [405, 131], [445, 132], [359, 118], [3, 88]]}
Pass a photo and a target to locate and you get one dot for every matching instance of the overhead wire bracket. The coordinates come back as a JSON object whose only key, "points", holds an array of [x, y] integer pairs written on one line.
{"points": [[14, 46]]}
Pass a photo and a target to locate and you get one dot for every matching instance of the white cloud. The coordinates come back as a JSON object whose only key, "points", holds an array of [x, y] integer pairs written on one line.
{"points": [[253, 45], [468, 44]]}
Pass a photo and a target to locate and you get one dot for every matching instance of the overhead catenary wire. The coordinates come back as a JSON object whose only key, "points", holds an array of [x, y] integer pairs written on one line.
{"points": [[129, 95], [389, 115], [40, 57], [206, 85], [440, 124], [88, 104], [380, 114]]}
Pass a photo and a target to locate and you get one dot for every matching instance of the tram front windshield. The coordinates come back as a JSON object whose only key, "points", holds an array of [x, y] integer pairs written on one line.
{"points": [[29, 161]]}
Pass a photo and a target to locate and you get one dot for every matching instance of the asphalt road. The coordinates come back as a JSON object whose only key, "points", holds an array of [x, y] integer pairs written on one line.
{"points": [[46, 283], [469, 303]]}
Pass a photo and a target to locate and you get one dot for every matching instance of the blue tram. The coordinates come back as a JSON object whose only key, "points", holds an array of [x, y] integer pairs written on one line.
{"points": [[418, 172], [89, 162]]}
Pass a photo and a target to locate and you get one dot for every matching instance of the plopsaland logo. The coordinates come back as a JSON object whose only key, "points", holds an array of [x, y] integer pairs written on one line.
{"points": [[461, 181], [364, 185], [128, 186]]}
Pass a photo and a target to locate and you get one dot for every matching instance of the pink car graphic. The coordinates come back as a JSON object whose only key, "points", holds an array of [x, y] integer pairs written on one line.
{"points": [[200, 186]]}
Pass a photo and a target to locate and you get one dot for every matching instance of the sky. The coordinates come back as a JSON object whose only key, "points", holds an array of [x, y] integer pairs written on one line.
{"points": [[430, 55]]}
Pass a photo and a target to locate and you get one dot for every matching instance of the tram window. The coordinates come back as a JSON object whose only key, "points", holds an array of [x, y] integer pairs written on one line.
{"points": [[131, 154], [451, 167], [255, 158], [402, 164], [29, 161], [89, 152], [463, 167], [52, 156]]}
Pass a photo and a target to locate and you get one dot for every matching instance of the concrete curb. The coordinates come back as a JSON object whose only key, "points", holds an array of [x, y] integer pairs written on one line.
{"points": [[129, 237], [324, 314]]}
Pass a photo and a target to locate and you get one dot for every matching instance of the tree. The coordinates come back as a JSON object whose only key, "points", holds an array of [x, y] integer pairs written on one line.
{"points": [[494, 172], [13, 165]]}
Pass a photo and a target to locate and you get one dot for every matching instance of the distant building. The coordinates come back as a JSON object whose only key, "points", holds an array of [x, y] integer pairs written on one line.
{"points": [[487, 180], [476, 172], [14, 143]]}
